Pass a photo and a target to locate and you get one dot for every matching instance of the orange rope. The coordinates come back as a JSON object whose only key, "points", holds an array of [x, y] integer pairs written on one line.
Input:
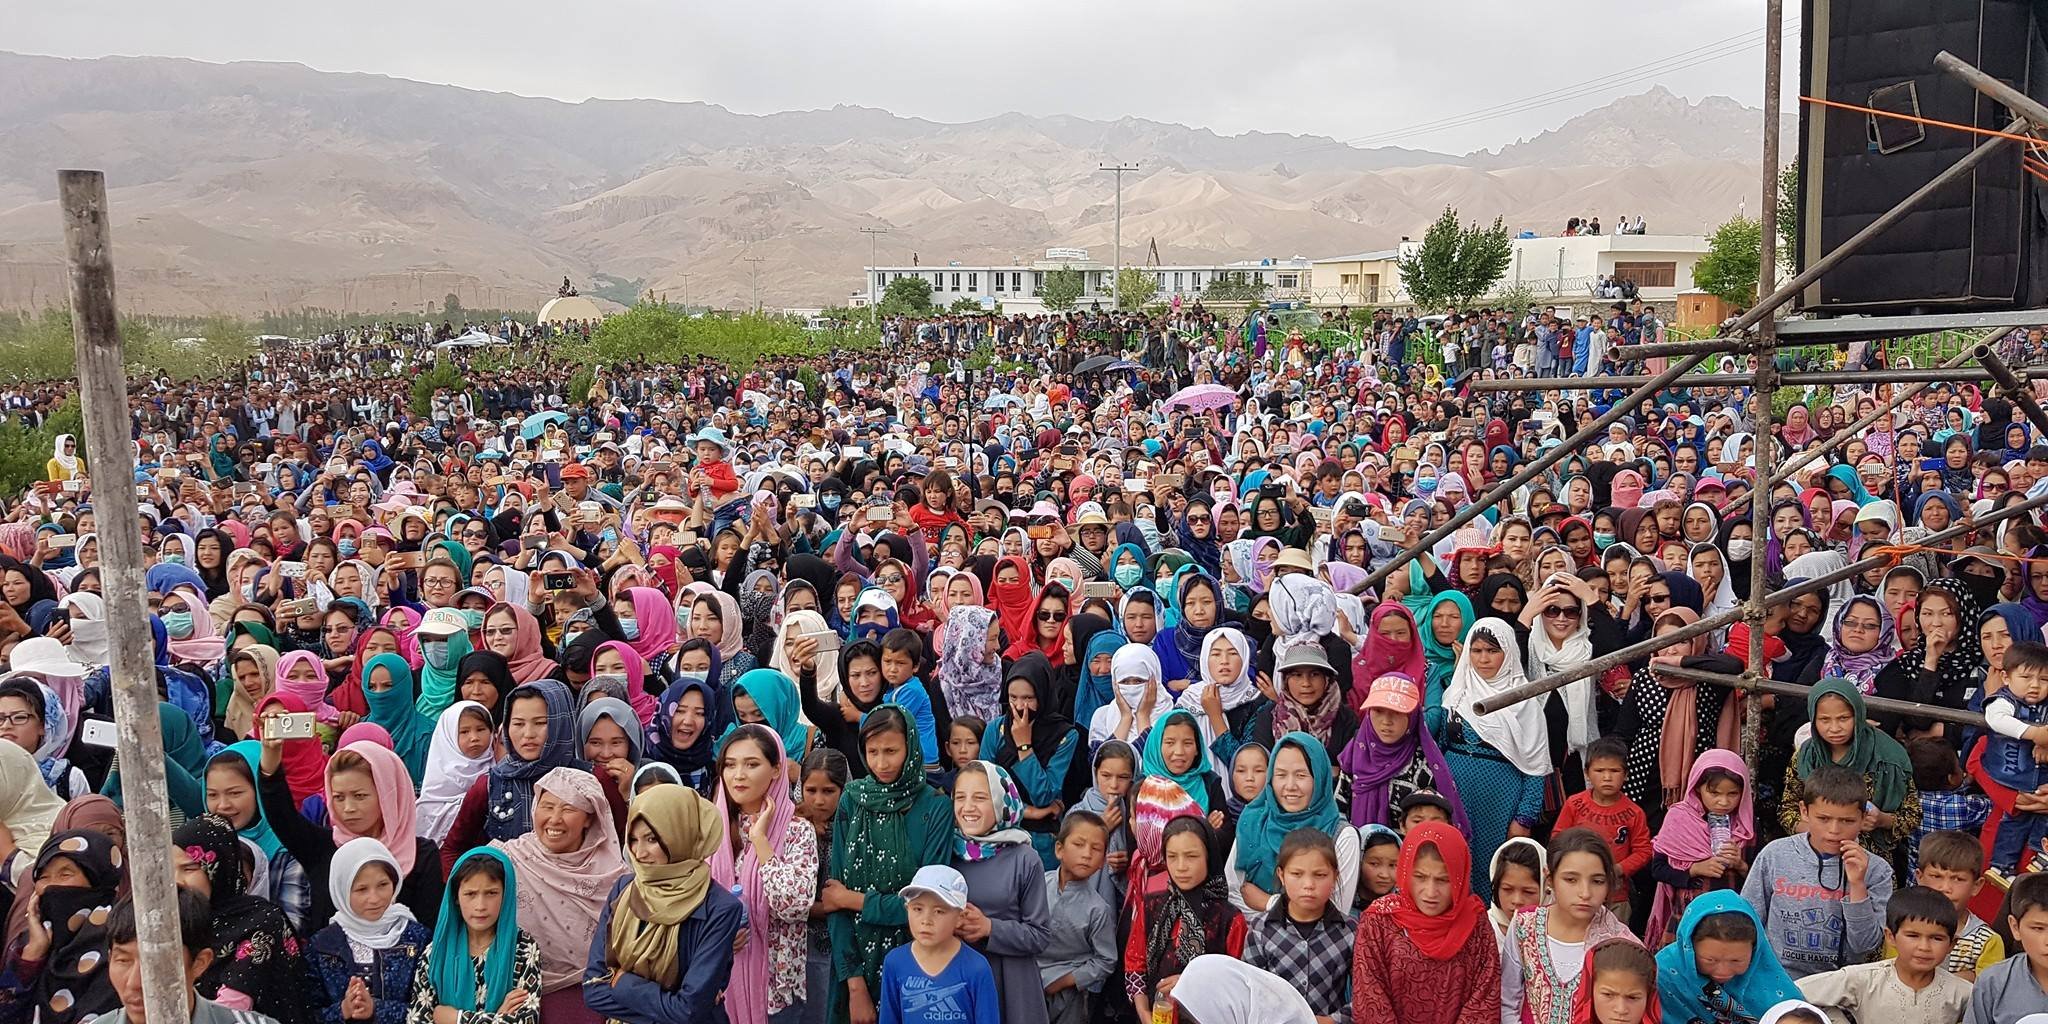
{"points": [[1972, 129]]}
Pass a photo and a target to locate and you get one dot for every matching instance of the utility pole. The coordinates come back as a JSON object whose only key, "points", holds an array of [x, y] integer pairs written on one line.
{"points": [[757, 261], [874, 256], [1116, 284], [139, 740]]}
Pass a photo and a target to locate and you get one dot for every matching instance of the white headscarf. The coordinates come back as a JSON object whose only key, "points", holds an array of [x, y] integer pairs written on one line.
{"points": [[1778, 1012], [1304, 608], [1220, 989], [1518, 731], [1132, 661], [449, 772], [69, 462], [1547, 657], [349, 862], [1236, 692], [27, 806], [826, 672]]}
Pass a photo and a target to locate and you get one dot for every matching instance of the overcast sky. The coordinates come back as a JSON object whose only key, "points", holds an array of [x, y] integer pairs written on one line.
{"points": [[1354, 70]]}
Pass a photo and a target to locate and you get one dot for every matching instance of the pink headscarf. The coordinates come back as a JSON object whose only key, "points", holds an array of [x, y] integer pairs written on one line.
{"points": [[657, 619], [644, 704], [1379, 655], [403, 623], [1685, 840], [204, 646], [314, 694], [561, 895], [527, 662], [395, 802], [367, 732], [746, 998]]}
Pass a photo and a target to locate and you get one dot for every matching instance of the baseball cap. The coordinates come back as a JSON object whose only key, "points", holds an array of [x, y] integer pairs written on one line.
{"points": [[1426, 798], [1394, 692], [939, 881], [1304, 655], [575, 471], [443, 622]]}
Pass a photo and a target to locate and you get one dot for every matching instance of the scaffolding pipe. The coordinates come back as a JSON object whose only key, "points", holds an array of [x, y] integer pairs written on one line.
{"points": [[1765, 684], [1799, 378], [1723, 343], [2014, 389], [1711, 623], [1761, 397]]}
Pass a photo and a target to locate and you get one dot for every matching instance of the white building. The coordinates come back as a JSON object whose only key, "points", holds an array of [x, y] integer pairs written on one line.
{"points": [[1016, 287], [1554, 269]]}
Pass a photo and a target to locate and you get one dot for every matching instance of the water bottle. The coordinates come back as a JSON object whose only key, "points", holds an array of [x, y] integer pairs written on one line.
{"points": [[739, 892]]}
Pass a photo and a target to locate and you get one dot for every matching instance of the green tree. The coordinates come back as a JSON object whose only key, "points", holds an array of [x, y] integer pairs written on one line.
{"points": [[439, 376], [1063, 288], [965, 306], [1788, 216], [1135, 288], [451, 306], [907, 296], [1729, 269], [1456, 263], [1234, 286], [24, 453]]}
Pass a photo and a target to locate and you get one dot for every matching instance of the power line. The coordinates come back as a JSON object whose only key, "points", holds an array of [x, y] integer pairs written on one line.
{"points": [[1679, 61]]}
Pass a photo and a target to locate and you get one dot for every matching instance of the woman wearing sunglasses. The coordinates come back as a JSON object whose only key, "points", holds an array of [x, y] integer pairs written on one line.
{"points": [[1568, 626]]}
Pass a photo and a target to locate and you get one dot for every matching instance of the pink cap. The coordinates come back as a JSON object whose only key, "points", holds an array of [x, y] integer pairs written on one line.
{"points": [[1394, 692]]}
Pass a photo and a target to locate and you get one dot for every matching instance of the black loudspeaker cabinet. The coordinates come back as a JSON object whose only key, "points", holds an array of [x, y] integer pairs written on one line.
{"points": [[1981, 243]]}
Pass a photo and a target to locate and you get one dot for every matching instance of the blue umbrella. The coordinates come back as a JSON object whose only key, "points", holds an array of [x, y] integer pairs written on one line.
{"points": [[538, 422], [998, 401]]}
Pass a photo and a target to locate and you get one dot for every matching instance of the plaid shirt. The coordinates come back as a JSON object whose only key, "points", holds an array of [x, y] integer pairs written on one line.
{"points": [[1315, 959], [1963, 810]]}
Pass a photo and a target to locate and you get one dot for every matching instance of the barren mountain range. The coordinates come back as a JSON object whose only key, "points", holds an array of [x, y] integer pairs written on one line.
{"points": [[247, 187]]}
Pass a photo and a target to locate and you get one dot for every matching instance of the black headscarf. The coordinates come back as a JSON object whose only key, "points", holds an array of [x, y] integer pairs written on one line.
{"points": [[497, 670], [78, 928], [1067, 680], [255, 951], [1049, 725]]}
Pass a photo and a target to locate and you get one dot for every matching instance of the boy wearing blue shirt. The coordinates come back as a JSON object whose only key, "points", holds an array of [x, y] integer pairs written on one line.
{"points": [[936, 979]]}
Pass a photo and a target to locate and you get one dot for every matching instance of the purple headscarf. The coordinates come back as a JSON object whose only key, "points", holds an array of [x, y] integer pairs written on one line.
{"points": [[1373, 766]]}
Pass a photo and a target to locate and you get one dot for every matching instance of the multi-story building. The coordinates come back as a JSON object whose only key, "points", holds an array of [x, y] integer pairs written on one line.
{"points": [[1016, 287]]}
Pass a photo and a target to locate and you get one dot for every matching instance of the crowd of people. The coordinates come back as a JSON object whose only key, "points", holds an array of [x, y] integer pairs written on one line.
{"points": [[966, 680]]}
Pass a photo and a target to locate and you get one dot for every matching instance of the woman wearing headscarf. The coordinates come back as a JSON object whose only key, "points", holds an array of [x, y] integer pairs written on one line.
{"points": [[1422, 955], [770, 860], [1227, 696], [1843, 737], [1188, 914], [470, 968], [633, 687], [376, 951], [455, 760], [257, 963], [1500, 760], [664, 943], [1668, 719], [1040, 748], [305, 761], [567, 866], [28, 809], [387, 685], [540, 735], [970, 674], [1300, 792], [78, 872], [610, 737], [1943, 667], [1863, 642], [889, 824], [1443, 624], [514, 633], [1393, 643], [184, 765], [1199, 606], [231, 794], [380, 803]]}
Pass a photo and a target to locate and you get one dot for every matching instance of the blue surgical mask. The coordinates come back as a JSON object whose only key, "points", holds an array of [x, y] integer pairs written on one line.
{"points": [[474, 617], [1127, 576], [346, 548], [630, 628], [692, 677], [436, 653], [178, 624], [829, 501], [174, 559], [1602, 540]]}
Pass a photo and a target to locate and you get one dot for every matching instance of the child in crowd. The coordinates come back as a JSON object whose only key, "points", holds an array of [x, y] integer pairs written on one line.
{"points": [[1379, 863], [963, 745], [902, 652], [1424, 805], [1951, 863], [480, 959], [1517, 874], [366, 959], [2016, 747], [2017, 987], [1423, 956], [1082, 950], [1911, 987], [1617, 985], [1543, 956], [1602, 807], [1721, 967], [1247, 777], [1189, 916], [1116, 769], [823, 779], [1821, 893], [935, 978], [1705, 843], [1949, 798], [1303, 937]]}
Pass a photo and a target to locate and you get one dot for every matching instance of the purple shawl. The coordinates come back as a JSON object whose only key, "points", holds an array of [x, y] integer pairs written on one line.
{"points": [[1373, 766]]}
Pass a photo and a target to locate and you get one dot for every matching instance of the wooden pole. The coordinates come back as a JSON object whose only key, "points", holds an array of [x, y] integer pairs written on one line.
{"points": [[110, 454], [1760, 399]]}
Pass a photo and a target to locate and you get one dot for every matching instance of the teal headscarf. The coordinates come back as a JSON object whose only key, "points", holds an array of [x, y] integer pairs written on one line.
{"points": [[448, 963], [1096, 691], [1264, 824], [1872, 754], [258, 831], [1442, 660], [775, 694], [1137, 575], [1193, 780], [438, 686], [1682, 988], [456, 553], [412, 734], [1857, 492]]}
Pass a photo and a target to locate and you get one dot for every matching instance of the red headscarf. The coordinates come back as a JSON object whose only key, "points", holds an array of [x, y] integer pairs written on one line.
{"points": [[1014, 603], [1582, 997], [1440, 937], [665, 573], [1026, 640], [1380, 656], [305, 763]]}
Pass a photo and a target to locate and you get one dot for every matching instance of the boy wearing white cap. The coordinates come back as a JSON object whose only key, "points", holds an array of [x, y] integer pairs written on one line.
{"points": [[936, 979]]}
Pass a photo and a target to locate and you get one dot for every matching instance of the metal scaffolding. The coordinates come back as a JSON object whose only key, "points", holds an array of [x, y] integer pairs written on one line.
{"points": [[1975, 363]]}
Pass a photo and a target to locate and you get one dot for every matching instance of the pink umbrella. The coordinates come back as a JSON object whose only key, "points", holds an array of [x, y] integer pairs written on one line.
{"points": [[1203, 396]]}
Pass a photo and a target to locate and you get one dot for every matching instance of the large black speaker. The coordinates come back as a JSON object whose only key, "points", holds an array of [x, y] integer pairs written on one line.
{"points": [[1980, 243]]}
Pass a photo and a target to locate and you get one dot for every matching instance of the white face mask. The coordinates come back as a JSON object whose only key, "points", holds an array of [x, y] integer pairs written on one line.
{"points": [[1741, 548]]}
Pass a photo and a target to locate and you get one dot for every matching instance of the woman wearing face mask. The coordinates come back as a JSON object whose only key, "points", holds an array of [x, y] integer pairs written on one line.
{"points": [[539, 735], [388, 686], [368, 793], [647, 623], [444, 641], [616, 666], [194, 642]]}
